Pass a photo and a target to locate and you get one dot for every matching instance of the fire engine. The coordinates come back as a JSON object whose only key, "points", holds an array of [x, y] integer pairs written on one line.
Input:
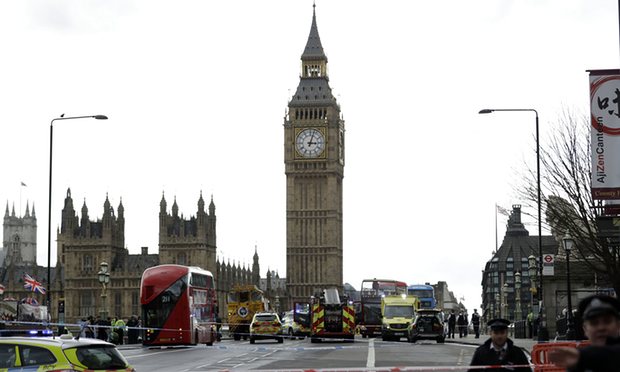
{"points": [[327, 316]]}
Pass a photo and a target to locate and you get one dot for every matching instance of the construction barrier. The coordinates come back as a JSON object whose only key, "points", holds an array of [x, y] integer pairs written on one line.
{"points": [[540, 354]]}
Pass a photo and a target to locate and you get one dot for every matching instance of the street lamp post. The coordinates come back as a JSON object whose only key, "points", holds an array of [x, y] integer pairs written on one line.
{"points": [[518, 314], [498, 305], [104, 278], [505, 301], [531, 260], [570, 327], [49, 209], [543, 334]]}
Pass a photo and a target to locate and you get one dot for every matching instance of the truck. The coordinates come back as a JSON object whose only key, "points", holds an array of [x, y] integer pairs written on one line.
{"points": [[371, 293], [18, 318], [397, 313], [327, 316], [243, 302]]}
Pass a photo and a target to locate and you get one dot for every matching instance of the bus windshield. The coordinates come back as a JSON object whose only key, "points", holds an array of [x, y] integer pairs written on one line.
{"points": [[421, 293], [372, 313], [158, 310]]}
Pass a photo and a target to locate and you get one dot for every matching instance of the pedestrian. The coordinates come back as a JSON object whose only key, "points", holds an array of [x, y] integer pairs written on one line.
{"points": [[119, 329], [475, 322], [140, 333], [89, 330], [82, 331], [461, 323], [466, 322], [530, 318], [132, 330], [451, 324], [499, 350], [102, 329]]}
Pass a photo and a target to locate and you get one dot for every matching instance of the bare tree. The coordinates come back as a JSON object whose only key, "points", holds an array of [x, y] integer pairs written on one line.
{"points": [[566, 195]]}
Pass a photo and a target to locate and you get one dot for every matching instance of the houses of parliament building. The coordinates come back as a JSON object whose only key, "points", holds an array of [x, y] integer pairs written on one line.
{"points": [[82, 244]]}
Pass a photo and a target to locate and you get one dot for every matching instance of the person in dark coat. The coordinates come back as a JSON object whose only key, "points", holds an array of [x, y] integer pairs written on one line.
{"points": [[132, 330], [461, 323], [500, 350], [451, 324], [475, 321]]}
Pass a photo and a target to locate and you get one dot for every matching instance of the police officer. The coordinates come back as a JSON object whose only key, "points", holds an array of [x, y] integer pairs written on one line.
{"points": [[475, 321], [601, 318], [601, 324], [500, 350]]}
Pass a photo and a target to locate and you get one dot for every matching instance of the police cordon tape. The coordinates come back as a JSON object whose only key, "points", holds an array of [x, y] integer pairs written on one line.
{"points": [[6, 327]]}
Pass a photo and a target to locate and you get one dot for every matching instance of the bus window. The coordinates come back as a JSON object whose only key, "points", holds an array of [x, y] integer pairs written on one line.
{"points": [[244, 296]]}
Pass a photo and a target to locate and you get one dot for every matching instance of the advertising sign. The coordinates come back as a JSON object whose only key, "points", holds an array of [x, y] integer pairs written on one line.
{"points": [[548, 262], [605, 133]]}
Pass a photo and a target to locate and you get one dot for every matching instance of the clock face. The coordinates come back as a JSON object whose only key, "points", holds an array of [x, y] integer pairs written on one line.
{"points": [[310, 143]]}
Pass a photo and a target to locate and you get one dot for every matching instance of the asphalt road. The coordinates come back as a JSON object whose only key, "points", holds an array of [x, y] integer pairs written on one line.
{"points": [[363, 354]]}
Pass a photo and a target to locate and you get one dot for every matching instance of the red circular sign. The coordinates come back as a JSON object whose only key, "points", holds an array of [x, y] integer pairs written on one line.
{"points": [[602, 92], [548, 258]]}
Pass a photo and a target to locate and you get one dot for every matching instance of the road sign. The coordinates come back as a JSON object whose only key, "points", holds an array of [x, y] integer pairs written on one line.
{"points": [[548, 264]]}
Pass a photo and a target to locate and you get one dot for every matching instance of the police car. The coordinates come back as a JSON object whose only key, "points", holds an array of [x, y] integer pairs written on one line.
{"points": [[266, 325], [60, 353]]}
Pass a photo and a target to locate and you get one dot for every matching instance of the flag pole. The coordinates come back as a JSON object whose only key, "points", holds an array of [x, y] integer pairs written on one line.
{"points": [[495, 227]]}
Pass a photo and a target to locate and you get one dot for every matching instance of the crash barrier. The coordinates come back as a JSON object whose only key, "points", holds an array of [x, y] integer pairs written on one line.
{"points": [[540, 354]]}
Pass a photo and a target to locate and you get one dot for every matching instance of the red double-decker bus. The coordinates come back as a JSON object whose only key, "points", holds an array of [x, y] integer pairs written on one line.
{"points": [[178, 306]]}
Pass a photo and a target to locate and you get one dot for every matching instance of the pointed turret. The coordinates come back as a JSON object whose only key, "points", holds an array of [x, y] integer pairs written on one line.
{"points": [[106, 204], [13, 210], [162, 204], [33, 214], [121, 209], [313, 88], [211, 207], [27, 215], [84, 210], [201, 203], [175, 208], [6, 212], [314, 49]]}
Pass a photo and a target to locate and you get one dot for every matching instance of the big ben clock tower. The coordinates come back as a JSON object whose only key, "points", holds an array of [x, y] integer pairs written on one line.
{"points": [[314, 167]]}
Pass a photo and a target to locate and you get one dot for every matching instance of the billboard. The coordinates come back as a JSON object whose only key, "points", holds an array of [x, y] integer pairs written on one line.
{"points": [[605, 133]]}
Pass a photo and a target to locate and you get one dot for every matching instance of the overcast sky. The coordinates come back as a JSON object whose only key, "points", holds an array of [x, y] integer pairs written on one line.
{"points": [[196, 92]]}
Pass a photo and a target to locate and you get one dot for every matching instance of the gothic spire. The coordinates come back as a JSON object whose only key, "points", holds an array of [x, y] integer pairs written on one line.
{"points": [[6, 212], [314, 49], [175, 207], [201, 203], [121, 209], [162, 203], [33, 214], [84, 209], [211, 207]]}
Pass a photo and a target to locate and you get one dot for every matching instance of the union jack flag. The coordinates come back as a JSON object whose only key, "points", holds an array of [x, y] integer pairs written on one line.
{"points": [[29, 301], [32, 285]]}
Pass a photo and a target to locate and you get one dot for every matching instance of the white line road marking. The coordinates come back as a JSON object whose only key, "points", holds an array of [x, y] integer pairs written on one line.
{"points": [[370, 362], [460, 361]]}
